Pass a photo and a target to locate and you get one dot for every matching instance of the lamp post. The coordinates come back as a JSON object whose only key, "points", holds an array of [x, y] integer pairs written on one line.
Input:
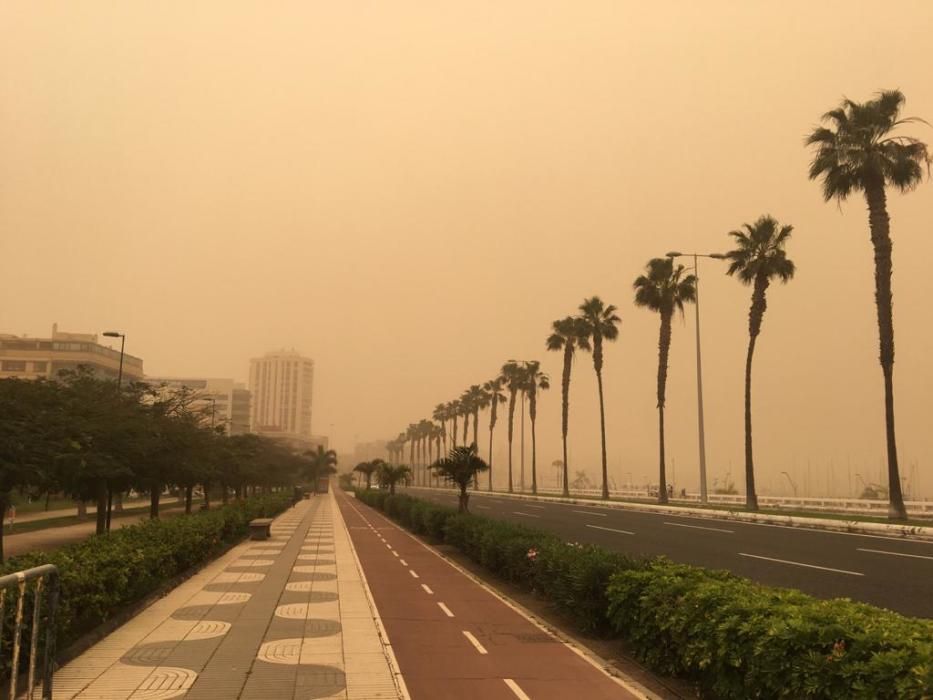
{"points": [[792, 484], [700, 427], [122, 337]]}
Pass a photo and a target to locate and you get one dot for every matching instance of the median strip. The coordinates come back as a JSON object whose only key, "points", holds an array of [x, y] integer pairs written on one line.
{"points": [[797, 563]]}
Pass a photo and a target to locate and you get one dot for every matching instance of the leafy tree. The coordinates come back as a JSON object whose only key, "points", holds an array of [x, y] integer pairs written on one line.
{"points": [[367, 469], [390, 475], [859, 152], [535, 381], [599, 322], [493, 389], [758, 258], [664, 289], [568, 335], [461, 467]]}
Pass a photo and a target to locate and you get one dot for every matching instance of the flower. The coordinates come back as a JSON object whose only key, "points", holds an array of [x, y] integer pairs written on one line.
{"points": [[532, 554]]}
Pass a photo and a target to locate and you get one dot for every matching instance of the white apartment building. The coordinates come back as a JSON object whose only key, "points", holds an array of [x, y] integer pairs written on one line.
{"points": [[281, 384]]}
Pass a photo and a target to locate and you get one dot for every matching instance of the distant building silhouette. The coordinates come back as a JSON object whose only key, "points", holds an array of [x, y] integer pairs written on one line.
{"points": [[231, 400], [281, 384]]}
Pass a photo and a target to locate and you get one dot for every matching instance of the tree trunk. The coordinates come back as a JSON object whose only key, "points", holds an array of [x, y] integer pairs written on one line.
{"points": [[662, 478], [879, 223], [118, 501], [4, 504], [490, 458], [453, 435], [188, 493], [664, 346], [602, 430], [154, 494], [82, 509], [101, 507], [109, 506], [207, 496], [565, 407], [464, 500], [512, 394], [534, 468], [751, 496]]}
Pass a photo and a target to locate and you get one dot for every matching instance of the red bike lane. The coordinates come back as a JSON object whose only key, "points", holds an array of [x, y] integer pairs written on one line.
{"points": [[455, 639]]}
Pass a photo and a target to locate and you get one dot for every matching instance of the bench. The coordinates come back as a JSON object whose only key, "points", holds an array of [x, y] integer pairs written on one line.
{"points": [[260, 529]]}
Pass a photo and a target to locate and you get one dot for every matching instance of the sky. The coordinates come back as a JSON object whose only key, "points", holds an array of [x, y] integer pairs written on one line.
{"points": [[410, 193]]}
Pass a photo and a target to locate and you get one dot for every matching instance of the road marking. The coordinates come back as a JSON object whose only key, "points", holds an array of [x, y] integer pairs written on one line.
{"points": [[403, 562], [700, 527], [797, 563], [515, 688], [475, 642], [588, 512], [426, 589], [394, 552], [388, 545], [413, 574], [895, 554], [445, 609], [611, 529], [528, 505], [527, 515]]}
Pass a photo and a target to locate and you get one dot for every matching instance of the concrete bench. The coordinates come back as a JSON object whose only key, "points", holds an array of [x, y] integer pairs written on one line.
{"points": [[260, 529]]}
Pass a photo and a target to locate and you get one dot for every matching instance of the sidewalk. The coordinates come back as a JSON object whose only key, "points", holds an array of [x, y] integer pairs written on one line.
{"points": [[456, 639], [285, 618]]}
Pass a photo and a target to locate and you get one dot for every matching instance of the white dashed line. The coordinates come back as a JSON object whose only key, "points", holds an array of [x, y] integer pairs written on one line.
{"points": [[589, 512], [403, 562], [797, 563], [426, 589], [445, 609], [394, 552], [528, 505], [895, 554], [527, 515], [700, 527], [413, 574], [611, 529], [515, 688], [475, 642], [388, 545]]}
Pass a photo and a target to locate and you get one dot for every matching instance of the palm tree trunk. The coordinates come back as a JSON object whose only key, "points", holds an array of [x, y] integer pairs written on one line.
{"points": [[453, 435], [602, 430], [664, 346], [4, 504], [463, 503], [879, 223], [188, 493], [751, 496], [565, 407], [466, 427], [534, 469], [109, 506], [154, 494], [490, 457], [511, 431]]}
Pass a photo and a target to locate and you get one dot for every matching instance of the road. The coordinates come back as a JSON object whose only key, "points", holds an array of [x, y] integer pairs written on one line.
{"points": [[891, 573]]}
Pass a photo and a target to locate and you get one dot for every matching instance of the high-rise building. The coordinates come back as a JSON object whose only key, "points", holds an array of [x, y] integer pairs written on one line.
{"points": [[28, 357], [281, 383], [229, 401]]}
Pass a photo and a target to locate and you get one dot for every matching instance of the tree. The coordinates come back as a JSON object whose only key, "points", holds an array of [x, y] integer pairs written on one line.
{"points": [[440, 415], [568, 335], [453, 410], [758, 258], [319, 463], [390, 475], [366, 469], [599, 322], [859, 152], [493, 389], [425, 434], [461, 467], [664, 289], [535, 381], [513, 377]]}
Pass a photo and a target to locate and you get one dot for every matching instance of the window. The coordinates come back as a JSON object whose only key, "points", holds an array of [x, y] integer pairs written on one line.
{"points": [[40, 366], [13, 366]]}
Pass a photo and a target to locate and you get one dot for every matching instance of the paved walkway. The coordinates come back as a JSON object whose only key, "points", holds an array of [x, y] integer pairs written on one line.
{"points": [[286, 618], [453, 637]]}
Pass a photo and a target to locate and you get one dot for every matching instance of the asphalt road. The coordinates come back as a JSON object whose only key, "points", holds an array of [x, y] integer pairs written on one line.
{"points": [[893, 573]]}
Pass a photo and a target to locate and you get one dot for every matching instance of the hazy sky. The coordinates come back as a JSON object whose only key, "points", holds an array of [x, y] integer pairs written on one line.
{"points": [[411, 192]]}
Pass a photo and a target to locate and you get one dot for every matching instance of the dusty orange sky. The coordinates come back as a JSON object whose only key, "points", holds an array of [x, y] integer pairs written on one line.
{"points": [[411, 192]]}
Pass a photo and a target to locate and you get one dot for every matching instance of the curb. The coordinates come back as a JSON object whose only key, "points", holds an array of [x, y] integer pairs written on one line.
{"points": [[850, 526]]}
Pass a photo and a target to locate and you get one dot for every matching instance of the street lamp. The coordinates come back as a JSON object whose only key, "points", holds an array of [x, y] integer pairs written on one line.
{"points": [[792, 484], [122, 337], [700, 428]]}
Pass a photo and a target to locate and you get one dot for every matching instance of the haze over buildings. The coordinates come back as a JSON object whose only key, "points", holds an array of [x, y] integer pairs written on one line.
{"points": [[281, 384], [226, 401]]}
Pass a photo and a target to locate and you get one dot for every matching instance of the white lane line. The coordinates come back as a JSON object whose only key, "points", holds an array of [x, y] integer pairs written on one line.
{"points": [[426, 589], [475, 642], [700, 527], [894, 554], [527, 515], [413, 574], [388, 545], [797, 563], [528, 505], [515, 688], [403, 562], [445, 609], [588, 512], [611, 529], [394, 552]]}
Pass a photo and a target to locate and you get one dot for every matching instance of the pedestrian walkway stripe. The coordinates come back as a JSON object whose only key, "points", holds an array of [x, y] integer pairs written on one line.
{"points": [[516, 688], [426, 589], [475, 642], [445, 609]]}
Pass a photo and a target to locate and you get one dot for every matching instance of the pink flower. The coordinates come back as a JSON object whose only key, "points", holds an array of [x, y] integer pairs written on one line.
{"points": [[532, 554]]}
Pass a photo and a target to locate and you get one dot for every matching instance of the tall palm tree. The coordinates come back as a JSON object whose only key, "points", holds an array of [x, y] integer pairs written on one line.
{"points": [[535, 381], [513, 377], [493, 389], [453, 410], [472, 400], [758, 258], [401, 440], [599, 322], [860, 152], [461, 467], [567, 336], [466, 410], [439, 434], [412, 434], [440, 415], [425, 432], [664, 289]]}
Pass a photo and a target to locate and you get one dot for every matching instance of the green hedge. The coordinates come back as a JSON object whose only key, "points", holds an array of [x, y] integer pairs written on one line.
{"points": [[731, 637], [102, 574]]}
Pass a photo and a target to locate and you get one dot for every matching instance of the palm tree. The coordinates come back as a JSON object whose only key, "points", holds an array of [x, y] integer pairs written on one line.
{"points": [[401, 440], [664, 289], [859, 152], [453, 410], [759, 258], [320, 463], [568, 335], [391, 475], [412, 434], [599, 322], [440, 415], [466, 410], [439, 433], [535, 381], [366, 469], [475, 398], [513, 377], [425, 432], [493, 389], [461, 467]]}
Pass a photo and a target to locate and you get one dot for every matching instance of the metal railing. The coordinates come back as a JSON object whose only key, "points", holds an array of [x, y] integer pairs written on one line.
{"points": [[29, 601]]}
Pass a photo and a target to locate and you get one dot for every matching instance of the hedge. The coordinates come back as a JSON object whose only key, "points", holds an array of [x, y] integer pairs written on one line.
{"points": [[102, 574], [729, 636]]}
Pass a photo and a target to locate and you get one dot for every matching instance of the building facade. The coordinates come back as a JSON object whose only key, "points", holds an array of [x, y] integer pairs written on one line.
{"points": [[281, 385], [28, 357], [223, 401]]}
